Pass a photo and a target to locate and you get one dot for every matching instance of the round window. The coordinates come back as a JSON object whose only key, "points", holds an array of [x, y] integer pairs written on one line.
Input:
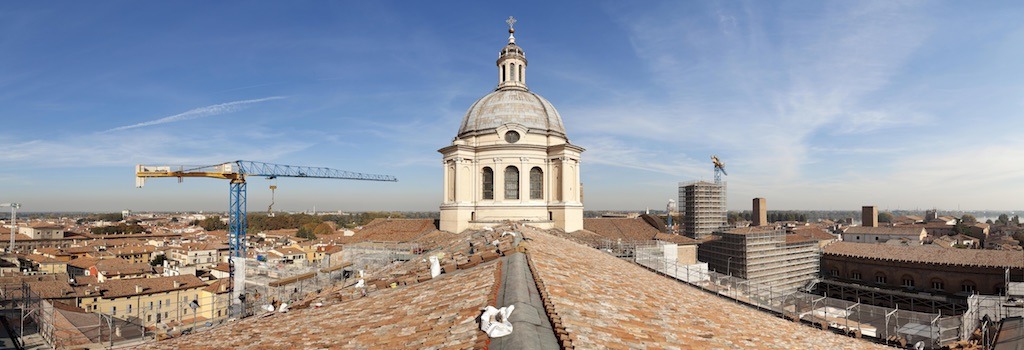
{"points": [[511, 137]]}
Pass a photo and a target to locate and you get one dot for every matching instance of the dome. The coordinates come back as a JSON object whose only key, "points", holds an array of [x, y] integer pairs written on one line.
{"points": [[511, 105]]}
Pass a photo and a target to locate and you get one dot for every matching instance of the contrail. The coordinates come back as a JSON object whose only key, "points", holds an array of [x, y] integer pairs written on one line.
{"points": [[200, 112]]}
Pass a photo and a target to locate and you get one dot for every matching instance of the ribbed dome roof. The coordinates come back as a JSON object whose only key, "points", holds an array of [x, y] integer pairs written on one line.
{"points": [[512, 105]]}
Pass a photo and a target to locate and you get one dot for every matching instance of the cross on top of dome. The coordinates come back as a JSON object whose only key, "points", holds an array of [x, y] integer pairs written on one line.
{"points": [[511, 31]]}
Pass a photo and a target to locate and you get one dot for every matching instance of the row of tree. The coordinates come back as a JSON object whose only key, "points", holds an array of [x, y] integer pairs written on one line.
{"points": [[118, 229]]}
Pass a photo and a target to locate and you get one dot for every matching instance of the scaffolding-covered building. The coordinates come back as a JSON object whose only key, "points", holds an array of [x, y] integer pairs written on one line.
{"points": [[763, 255], [704, 207]]}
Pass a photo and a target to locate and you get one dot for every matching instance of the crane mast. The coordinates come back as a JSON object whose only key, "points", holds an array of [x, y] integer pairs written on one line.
{"points": [[236, 172], [14, 222]]}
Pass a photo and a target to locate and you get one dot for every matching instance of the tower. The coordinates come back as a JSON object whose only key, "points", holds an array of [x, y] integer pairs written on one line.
{"points": [[760, 214], [511, 159]]}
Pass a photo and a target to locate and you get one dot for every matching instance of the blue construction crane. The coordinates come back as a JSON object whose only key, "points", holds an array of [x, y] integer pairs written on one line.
{"points": [[719, 169], [236, 172]]}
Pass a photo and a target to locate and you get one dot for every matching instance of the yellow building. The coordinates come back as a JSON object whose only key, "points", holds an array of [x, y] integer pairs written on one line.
{"points": [[47, 265], [134, 254], [152, 300]]}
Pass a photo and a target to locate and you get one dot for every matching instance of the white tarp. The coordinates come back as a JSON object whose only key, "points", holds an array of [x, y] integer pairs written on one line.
{"points": [[495, 321]]}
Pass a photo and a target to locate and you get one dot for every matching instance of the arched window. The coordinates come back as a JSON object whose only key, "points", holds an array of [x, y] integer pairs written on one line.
{"points": [[504, 75], [881, 278], [938, 284], [536, 183], [515, 73], [488, 181], [521, 73], [511, 182], [908, 281], [855, 275]]}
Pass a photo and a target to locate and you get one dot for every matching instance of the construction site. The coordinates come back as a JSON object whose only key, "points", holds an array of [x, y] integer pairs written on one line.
{"points": [[763, 255], [890, 326]]}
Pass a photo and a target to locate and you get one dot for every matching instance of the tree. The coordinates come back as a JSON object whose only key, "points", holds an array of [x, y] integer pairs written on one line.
{"points": [[323, 229], [885, 217], [306, 231], [1016, 220], [158, 260], [1003, 219], [212, 223], [969, 219], [961, 228]]}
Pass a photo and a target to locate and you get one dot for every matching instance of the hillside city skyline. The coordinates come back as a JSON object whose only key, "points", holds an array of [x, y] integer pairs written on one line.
{"points": [[807, 105]]}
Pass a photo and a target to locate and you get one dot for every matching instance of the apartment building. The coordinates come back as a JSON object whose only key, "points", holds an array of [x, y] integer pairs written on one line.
{"points": [[152, 300]]}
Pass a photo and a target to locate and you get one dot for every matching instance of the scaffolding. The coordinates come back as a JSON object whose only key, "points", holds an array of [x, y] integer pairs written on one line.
{"points": [[763, 256], [40, 322], [704, 207]]}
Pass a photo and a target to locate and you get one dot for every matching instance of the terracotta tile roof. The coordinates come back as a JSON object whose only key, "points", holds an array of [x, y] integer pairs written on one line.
{"points": [[795, 238], [134, 249], [290, 251], [55, 289], [607, 303], [49, 251], [123, 288], [223, 267], [219, 286], [6, 237], [909, 230], [927, 255], [620, 228], [83, 262], [118, 266], [42, 259], [435, 239], [392, 230], [331, 249], [814, 233], [435, 314]]}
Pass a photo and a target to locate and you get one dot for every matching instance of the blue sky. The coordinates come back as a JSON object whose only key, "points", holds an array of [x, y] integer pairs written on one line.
{"points": [[813, 105]]}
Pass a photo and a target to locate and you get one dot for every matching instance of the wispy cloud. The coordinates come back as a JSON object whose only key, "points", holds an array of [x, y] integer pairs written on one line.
{"points": [[200, 112]]}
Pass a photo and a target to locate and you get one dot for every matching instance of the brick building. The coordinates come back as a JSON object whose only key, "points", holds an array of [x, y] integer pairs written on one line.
{"points": [[919, 278]]}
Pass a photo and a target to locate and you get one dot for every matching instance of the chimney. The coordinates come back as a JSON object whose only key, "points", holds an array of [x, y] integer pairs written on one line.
{"points": [[869, 216], [138, 289], [760, 214], [177, 284]]}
